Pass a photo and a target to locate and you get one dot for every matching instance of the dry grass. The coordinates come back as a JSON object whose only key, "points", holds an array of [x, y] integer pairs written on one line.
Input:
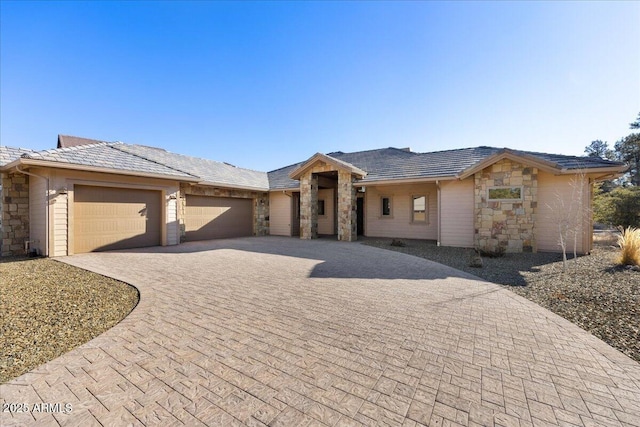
{"points": [[629, 242]]}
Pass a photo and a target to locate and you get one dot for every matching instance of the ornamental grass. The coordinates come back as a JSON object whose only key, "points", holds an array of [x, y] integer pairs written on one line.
{"points": [[629, 242]]}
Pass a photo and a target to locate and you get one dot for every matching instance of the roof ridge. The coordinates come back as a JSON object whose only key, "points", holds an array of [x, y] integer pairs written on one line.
{"points": [[150, 160], [486, 147], [373, 149], [199, 158]]}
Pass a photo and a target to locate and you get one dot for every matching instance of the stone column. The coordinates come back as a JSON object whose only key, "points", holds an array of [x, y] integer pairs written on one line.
{"points": [[15, 214], [309, 206], [261, 214], [347, 208]]}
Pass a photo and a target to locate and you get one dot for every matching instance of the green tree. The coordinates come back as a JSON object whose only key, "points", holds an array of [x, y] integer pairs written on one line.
{"points": [[600, 149], [636, 124], [628, 150], [619, 207]]}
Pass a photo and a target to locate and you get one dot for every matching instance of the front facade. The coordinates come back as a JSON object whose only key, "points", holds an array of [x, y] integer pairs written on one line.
{"points": [[91, 195]]}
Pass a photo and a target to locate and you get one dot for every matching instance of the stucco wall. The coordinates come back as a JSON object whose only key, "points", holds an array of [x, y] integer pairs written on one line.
{"points": [[399, 224], [38, 207], [326, 221], [280, 214], [563, 201], [457, 217]]}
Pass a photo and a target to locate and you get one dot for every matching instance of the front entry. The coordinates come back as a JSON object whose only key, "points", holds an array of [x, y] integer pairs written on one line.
{"points": [[295, 214], [360, 215]]}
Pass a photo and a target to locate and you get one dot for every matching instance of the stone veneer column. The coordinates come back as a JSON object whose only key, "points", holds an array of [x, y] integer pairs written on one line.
{"points": [[347, 208], [309, 206], [261, 214], [15, 214], [508, 224]]}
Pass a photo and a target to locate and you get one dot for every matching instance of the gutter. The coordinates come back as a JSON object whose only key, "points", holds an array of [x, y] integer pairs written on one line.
{"points": [[85, 168], [46, 212]]}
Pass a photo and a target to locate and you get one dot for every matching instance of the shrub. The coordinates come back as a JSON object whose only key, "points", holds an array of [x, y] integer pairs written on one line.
{"points": [[629, 243], [620, 206], [398, 242], [493, 252]]}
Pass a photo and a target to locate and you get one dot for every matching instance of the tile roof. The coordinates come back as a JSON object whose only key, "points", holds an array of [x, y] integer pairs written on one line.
{"points": [[380, 164], [210, 171], [392, 163], [9, 154], [105, 155]]}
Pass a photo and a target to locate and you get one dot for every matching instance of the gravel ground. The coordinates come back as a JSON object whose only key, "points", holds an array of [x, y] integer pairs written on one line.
{"points": [[49, 308], [593, 293]]}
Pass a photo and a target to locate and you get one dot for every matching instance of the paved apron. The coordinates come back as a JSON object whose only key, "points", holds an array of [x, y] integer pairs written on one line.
{"points": [[285, 332]]}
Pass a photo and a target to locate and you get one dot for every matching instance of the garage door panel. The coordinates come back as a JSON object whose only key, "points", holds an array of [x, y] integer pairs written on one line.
{"points": [[115, 218], [217, 217]]}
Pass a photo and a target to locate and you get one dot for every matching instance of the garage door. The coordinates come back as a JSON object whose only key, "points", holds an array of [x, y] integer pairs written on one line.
{"points": [[217, 217], [115, 218]]}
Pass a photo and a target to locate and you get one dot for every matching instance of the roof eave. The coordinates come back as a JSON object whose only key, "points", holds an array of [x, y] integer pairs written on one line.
{"points": [[396, 181], [86, 168], [511, 155], [297, 173]]}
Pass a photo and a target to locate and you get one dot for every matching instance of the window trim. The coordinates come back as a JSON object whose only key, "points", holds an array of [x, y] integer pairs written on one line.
{"points": [[426, 209], [501, 187]]}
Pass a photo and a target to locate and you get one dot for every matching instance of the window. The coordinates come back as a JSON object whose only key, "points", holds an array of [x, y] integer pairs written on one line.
{"points": [[505, 193], [321, 207], [386, 206], [419, 206]]}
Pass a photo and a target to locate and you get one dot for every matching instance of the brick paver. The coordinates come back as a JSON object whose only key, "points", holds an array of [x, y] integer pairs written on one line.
{"points": [[284, 332]]}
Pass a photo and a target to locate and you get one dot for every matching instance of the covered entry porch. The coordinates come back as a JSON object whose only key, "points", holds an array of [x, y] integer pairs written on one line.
{"points": [[327, 176]]}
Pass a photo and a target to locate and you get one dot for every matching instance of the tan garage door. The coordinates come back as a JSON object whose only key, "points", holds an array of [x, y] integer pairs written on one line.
{"points": [[115, 218], [217, 217]]}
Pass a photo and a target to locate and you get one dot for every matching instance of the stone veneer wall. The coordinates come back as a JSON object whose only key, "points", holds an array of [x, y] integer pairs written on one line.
{"points": [[15, 213], [347, 208], [509, 224], [309, 205], [260, 205]]}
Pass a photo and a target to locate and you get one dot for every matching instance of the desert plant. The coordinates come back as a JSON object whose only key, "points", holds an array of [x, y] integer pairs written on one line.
{"points": [[629, 242], [497, 251], [398, 242]]}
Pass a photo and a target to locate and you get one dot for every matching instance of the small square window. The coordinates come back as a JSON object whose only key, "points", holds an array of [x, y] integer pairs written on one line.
{"points": [[504, 193], [321, 207], [386, 206]]}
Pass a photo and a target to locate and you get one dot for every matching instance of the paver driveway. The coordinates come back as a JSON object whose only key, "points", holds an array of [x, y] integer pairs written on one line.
{"points": [[287, 332]]}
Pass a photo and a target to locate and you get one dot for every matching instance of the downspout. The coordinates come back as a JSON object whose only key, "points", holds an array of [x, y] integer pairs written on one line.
{"points": [[46, 211], [439, 211]]}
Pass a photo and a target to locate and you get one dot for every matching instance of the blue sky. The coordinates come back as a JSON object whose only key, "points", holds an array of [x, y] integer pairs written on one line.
{"points": [[263, 85]]}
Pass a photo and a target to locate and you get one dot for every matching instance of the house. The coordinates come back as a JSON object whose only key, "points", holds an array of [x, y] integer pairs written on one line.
{"points": [[89, 195]]}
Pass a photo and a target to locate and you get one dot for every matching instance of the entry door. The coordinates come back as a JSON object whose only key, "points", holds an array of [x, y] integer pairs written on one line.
{"points": [[295, 214], [360, 215]]}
